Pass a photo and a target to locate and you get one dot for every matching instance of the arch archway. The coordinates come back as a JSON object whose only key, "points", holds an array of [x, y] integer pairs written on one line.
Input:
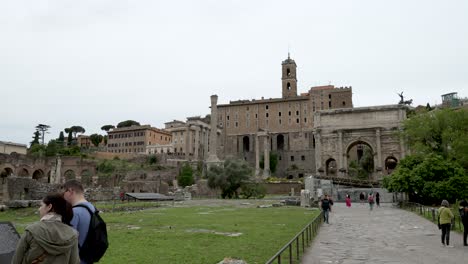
{"points": [[6, 172], [23, 172], [280, 142], [38, 175], [360, 157], [246, 144], [331, 167], [86, 178], [69, 175], [390, 164]]}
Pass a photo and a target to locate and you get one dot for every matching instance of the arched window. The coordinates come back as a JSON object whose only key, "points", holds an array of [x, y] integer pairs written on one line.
{"points": [[288, 72], [289, 86]]}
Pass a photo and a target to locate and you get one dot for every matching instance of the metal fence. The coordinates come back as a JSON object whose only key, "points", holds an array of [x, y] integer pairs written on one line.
{"points": [[431, 213], [295, 248]]}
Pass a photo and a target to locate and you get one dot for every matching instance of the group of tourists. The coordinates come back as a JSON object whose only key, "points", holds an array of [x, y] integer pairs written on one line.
{"points": [[64, 233], [326, 203], [446, 219]]}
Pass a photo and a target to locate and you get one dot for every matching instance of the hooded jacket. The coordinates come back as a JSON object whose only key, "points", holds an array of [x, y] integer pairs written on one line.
{"points": [[47, 242]]}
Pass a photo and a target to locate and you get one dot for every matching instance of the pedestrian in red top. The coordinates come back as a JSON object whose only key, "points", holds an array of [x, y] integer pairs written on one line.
{"points": [[348, 200]]}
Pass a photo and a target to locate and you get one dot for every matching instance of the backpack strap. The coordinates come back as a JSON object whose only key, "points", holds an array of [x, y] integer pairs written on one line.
{"points": [[87, 208]]}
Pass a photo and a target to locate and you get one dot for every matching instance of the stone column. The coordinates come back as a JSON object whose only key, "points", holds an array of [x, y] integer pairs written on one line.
{"points": [[197, 142], [257, 155], [402, 146], [213, 133], [187, 141], [266, 158], [318, 149], [340, 150], [379, 149]]}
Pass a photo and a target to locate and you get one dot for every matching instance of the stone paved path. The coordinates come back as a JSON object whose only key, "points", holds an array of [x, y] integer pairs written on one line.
{"points": [[385, 235]]}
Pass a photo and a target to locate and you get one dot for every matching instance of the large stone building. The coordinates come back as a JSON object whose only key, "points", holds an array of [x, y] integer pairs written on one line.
{"points": [[190, 139], [135, 139], [282, 125]]}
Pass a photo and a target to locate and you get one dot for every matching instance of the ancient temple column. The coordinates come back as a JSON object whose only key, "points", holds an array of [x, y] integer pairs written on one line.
{"points": [[213, 133], [266, 158], [379, 149], [197, 141], [257, 155]]}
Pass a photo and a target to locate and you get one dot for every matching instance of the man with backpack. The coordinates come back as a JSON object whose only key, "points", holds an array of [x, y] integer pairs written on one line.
{"points": [[92, 233], [326, 204]]}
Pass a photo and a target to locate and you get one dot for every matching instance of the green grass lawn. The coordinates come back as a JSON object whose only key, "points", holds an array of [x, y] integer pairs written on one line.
{"points": [[192, 234]]}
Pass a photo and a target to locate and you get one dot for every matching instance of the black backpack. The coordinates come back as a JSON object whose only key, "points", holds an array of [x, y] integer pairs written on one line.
{"points": [[96, 242]]}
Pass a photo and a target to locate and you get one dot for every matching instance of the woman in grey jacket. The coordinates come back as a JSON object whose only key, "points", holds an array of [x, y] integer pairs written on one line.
{"points": [[51, 240]]}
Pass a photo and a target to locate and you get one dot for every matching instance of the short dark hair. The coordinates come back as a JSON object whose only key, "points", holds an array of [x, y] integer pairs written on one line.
{"points": [[73, 184], [59, 206]]}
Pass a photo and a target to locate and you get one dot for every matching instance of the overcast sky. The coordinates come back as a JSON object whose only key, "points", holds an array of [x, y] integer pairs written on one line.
{"points": [[98, 62]]}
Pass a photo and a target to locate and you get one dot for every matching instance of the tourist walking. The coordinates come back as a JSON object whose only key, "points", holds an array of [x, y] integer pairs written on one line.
{"points": [[445, 220], [52, 239], [348, 201], [362, 197], [73, 192], [326, 204], [377, 199], [464, 217], [370, 199]]}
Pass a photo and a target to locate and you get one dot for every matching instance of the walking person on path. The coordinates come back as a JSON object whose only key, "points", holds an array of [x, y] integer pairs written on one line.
{"points": [[326, 204], [377, 199], [348, 201], [445, 220], [370, 199], [464, 216], [362, 197]]}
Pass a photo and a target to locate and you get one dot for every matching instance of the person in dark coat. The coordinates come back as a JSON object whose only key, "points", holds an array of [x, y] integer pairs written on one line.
{"points": [[464, 216]]}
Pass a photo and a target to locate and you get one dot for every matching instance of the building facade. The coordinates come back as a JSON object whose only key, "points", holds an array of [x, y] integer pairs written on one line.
{"points": [[190, 139], [251, 129], [135, 139], [10, 147]]}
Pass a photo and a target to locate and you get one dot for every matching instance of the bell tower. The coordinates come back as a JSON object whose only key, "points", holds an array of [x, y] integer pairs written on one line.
{"points": [[288, 79]]}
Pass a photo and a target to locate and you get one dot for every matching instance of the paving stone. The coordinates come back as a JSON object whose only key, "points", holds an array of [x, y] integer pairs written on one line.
{"points": [[387, 235]]}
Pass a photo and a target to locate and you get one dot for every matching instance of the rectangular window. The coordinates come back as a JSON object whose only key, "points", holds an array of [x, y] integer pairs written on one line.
{"points": [[297, 120], [289, 113], [279, 113], [305, 120], [227, 117], [292, 158], [297, 112], [302, 157]]}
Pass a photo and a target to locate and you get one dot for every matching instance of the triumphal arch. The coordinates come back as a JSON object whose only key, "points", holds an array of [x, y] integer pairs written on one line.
{"points": [[343, 134]]}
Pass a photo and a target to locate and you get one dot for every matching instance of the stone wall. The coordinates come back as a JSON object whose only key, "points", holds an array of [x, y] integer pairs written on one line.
{"points": [[282, 188]]}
